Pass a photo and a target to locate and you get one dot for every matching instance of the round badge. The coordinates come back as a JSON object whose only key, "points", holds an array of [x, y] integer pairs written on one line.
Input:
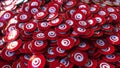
{"points": [[24, 17], [60, 52], [100, 19], [39, 36], [33, 10], [56, 21], [100, 43], [108, 50], [51, 52], [83, 46], [52, 8], [94, 8], [36, 61], [30, 26], [14, 45], [62, 28], [7, 16], [7, 55], [83, 24], [38, 45], [103, 13], [78, 58], [43, 25], [66, 62], [78, 15], [70, 4], [86, 11], [80, 31], [40, 15], [51, 34], [11, 36], [35, 3], [110, 9], [92, 22], [70, 22], [65, 43], [19, 26], [111, 58], [91, 63], [98, 34], [115, 16], [113, 39], [103, 64], [52, 16]]}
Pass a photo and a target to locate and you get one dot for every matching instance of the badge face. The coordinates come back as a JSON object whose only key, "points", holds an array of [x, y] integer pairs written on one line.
{"points": [[108, 50], [51, 34], [24, 17], [65, 43], [78, 58], [30, 26], [56, 21], [7, 16], [103, 64], [113, 39], [12, 35], [62, 28], [14, 45], [36, 61]]}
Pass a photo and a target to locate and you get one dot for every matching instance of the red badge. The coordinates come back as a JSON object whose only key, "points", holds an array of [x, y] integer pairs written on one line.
{"points": [[7, 16], [83, 46], [83, 24], [23, 17], [40, 15], [30, 26], [14, 45], [56, 21], [62, 27], [38, 45], [102, 64], [80, 31], [51, 52], [60, 52], [52, 8], [78, 15], [43, 25], [108, 50], [91, 64], [52, 16], [39, 36], [92, 22], [111, 58], [36, 61], [33, 10], [100, 43], [65, 43], [12, 35], [7, 55], [51, 34], [66, 62], [35, 3], [100, 19], [78, 58], [113, 39]]}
